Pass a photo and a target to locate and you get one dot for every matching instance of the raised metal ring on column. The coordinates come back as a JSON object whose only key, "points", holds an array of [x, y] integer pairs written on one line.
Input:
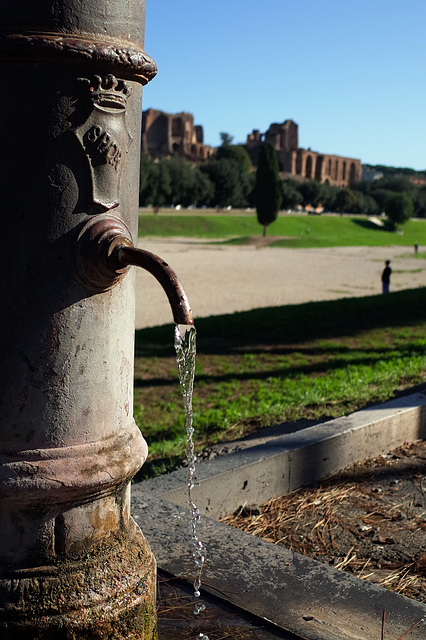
{"points": [[128, 60]]}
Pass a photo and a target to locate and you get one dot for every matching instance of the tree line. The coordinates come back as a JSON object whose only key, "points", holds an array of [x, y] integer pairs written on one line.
{"points": [[229, 180]]}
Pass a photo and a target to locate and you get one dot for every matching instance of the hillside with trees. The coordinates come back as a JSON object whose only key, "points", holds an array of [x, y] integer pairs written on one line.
{"points": [[398, 172], [229, 180]]}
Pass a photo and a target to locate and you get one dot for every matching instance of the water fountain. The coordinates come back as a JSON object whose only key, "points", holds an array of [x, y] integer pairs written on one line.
{"points": [[73, 564]]}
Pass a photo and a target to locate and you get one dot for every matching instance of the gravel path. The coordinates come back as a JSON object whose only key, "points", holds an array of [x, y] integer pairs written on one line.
{"points": [[222, 279]]}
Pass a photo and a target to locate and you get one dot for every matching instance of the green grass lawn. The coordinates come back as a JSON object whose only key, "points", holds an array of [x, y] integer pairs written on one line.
{"points": [[294, 231], [314, 361]]}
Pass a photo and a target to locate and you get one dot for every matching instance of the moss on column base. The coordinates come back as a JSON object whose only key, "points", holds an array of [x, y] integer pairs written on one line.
{"points": [[107, 594]]}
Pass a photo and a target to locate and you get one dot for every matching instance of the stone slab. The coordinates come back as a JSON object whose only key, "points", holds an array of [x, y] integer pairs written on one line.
{"points": [[296, 594]]}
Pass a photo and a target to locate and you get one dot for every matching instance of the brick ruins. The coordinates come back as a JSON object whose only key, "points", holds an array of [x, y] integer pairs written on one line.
{"points": [[165, 135], [304, 164]]}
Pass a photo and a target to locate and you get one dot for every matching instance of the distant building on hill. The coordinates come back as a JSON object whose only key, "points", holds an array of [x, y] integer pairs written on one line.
{"points": [[174, 134], [304, 164], [166, 134]]}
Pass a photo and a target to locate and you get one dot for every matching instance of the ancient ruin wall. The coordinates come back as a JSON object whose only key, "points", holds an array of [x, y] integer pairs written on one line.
{"points": [[166, 134], [302, 164]]}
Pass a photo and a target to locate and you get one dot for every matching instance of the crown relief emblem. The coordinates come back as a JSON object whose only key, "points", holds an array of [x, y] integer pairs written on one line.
{"points": [[106, 92], [104, 135]]}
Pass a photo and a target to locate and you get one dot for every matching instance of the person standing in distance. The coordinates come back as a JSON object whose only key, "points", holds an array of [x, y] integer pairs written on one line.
{"points": [[386, 277]]}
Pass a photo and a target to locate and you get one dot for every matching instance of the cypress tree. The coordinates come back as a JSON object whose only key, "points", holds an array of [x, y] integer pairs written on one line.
{"points": [[268, 186]]}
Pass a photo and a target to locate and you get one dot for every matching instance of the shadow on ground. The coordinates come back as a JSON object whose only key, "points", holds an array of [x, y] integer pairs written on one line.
{"points": [[289, 325]]}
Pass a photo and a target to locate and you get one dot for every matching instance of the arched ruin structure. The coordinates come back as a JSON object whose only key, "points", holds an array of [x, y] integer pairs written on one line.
{"points": [[165, 135], [304, 164]]}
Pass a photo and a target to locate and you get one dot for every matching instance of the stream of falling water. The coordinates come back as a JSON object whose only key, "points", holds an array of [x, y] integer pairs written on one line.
{"points": [[185, 346]]}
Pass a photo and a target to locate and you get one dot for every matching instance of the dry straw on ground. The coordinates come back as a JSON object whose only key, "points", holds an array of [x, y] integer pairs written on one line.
{"points": [[369, 520]]}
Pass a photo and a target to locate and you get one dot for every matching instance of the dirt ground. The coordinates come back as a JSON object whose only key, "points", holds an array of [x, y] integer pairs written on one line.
{"points": [[220, 278], [369, 520]]}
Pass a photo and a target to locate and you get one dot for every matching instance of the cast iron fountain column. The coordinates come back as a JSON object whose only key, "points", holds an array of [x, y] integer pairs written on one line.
{"points": [[73, 564]]}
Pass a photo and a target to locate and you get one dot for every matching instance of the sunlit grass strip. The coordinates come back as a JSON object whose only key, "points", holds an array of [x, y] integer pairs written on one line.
{"points": [[287, 398], [298, 231]]}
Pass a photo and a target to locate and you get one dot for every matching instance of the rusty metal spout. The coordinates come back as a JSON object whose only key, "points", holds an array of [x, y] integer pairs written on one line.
{"points": [[126, 255], [105, 251]]}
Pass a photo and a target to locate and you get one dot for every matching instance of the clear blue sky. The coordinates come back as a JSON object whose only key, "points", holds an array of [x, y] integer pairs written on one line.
{"points": [[351, 73]]}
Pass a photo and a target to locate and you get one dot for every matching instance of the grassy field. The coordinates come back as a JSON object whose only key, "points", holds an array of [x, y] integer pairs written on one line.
{"points": [[312, 361], [295, 231]]}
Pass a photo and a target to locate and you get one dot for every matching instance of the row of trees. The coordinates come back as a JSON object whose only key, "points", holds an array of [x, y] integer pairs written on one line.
{"points": [[225, 180], [228, 179], [387, 195]]}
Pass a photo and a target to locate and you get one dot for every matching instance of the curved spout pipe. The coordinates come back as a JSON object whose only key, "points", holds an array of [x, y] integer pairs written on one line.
{"points": [[104, 253], [126, 255]]}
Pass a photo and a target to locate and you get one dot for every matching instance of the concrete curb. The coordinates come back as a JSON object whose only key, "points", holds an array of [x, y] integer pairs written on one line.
{"points": [[283, 464]]}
